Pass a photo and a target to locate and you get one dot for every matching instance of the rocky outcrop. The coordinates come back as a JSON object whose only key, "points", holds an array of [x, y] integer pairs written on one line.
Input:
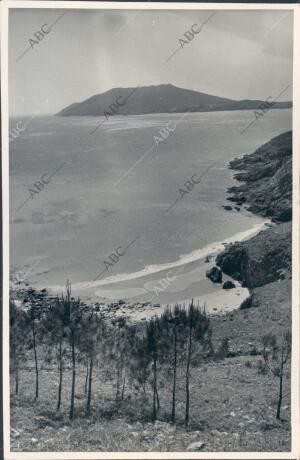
{"points": [[260, 260], [267, 177], [267, 190]]}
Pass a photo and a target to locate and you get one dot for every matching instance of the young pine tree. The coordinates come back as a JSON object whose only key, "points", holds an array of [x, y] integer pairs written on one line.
{"points": [[18, 331], [72, 319], [276, 356], [91, 338], [173, 324], [198, 342]]}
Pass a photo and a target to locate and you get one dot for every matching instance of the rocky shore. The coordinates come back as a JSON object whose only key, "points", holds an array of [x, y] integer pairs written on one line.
{"points": [[266, 190]]}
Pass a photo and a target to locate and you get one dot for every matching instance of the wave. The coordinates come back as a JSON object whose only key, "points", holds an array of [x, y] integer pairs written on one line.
{"points": [[198, 254]]}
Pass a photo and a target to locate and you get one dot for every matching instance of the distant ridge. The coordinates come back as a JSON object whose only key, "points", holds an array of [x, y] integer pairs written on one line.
{"points": [[159, 99]]}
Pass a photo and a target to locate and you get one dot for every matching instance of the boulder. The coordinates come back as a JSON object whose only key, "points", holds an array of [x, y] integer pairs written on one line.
{"points": [[227, 207], [214, 274], [195, 446], [247, 303], [228, 285]]}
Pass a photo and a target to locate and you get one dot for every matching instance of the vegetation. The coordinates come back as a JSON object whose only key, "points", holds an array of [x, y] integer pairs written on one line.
{"points": [[276, 356], [70, 332]]}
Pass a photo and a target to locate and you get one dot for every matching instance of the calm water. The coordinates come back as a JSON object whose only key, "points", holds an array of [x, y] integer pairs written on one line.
{"points": [[71, 227]]}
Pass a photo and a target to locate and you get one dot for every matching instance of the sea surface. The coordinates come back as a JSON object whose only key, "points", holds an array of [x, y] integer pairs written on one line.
{"points": [[120, 191]]}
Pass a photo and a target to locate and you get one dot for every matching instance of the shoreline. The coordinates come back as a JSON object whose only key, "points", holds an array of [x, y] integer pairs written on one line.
{"points": [[139, 302], [210, 250]]}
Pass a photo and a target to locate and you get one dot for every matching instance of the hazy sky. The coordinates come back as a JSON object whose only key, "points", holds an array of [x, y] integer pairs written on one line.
{"points": [[238, 54]]}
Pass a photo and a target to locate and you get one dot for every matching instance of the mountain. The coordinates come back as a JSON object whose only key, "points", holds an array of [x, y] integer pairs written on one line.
{"points": [[157, 99]]}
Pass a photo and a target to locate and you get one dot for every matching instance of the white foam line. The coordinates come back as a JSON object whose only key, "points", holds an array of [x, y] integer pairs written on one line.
{"points": [[210, 249]]}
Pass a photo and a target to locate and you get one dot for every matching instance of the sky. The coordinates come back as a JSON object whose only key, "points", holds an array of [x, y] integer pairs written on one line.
{"points": [[238, 54]]}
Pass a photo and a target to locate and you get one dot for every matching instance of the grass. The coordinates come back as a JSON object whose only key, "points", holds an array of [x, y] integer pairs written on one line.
{"points": [[233, 408]]}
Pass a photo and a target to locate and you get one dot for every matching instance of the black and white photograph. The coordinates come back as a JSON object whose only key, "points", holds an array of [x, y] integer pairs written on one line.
{"points": [[150, 172]]}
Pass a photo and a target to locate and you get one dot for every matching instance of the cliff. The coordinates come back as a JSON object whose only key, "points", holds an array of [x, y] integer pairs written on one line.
{"points": [[267, 191]]}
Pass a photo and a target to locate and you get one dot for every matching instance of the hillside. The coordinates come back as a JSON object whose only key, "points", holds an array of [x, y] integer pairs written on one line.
{"points": [[157, 99], [267, 191]]}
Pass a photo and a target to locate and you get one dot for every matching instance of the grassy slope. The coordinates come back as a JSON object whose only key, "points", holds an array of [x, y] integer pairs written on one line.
{"points": [[240, 417]]}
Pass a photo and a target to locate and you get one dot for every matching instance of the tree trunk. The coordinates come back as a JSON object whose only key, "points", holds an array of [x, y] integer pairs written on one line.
{"points": [[118, 380], [280, 394], [89, 398], [17, 379], [86, 378], [157, 400], [154, 390], [123, 387], [73, 380], [187, 378], [60, 377], [174, 378], [36, 364]]}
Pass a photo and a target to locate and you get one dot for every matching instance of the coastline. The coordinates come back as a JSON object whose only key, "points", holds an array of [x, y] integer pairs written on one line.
{"points": [[137, 291], [140, 294]]}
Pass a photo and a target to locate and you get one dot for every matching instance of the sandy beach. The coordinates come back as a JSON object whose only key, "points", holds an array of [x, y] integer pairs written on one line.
{"points": [[147, 292]]}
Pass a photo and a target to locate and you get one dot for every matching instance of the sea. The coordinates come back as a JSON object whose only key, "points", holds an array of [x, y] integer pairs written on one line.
{"points": [[133, 209]]}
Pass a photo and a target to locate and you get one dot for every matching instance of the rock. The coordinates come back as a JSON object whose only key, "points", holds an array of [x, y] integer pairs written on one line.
{"points": [[161, 425], [247, 303], [227, 207], [260, 259], [195, 446], [196, 433], [14, 433], [34, 440], [228, 285], [214, 274]]}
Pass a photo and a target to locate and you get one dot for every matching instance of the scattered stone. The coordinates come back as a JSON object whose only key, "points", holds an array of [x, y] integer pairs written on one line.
{"points": [[195, 446], [214, 274], [228, 285], [14, 433]]}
